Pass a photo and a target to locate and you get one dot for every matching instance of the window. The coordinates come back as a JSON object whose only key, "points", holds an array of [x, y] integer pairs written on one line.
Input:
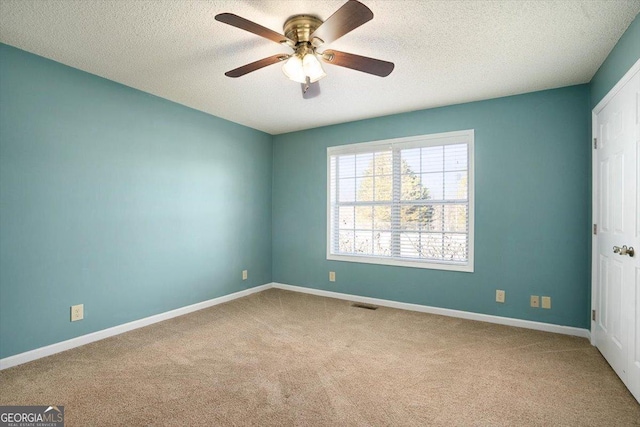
{"points": [[406, 202]]}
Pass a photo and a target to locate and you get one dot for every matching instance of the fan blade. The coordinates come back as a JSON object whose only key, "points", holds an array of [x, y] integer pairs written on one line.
{"points": [[365, 64], [252, 27], [349, 17], [246, 69]]}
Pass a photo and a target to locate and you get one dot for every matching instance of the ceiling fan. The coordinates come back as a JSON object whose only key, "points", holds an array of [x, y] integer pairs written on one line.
{"points": [[305, 34]]}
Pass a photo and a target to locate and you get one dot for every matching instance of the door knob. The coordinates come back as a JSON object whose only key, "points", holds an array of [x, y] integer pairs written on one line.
{"points": [[624, 250]]}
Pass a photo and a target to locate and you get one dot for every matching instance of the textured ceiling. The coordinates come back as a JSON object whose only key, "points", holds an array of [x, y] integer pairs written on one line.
{"points": [[445, 52]]}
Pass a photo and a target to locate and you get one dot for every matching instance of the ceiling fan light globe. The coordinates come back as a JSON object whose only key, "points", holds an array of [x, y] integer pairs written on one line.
{"points": [[312, 68], [294, 70]]}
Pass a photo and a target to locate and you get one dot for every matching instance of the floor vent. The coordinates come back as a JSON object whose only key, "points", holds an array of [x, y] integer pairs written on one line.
{"points": [[362, 305]]}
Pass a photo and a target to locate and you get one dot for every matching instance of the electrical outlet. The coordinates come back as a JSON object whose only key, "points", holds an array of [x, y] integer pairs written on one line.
{"points": [[245, 274], [535, 301], [546, 302], [500, 294], [332, 276], [77, 312]]}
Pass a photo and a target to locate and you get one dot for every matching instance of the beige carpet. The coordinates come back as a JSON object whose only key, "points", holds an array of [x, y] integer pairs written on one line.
{"points": [[283, 358]]}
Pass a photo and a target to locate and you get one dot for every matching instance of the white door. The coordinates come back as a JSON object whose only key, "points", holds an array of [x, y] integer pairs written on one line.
{"points": [[616, 292]]}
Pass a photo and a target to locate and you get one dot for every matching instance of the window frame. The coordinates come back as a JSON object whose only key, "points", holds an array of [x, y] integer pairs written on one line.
{"points": [[438, 139]]}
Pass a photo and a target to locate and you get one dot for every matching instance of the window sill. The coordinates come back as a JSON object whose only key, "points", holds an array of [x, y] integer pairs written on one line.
{"points": [[462, 267]]}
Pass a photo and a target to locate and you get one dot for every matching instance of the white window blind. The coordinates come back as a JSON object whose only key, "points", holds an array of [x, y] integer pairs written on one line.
{"points": [[403, 202]]}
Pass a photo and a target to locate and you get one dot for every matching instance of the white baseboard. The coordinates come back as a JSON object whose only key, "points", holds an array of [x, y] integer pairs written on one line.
{"points": [[38, 353], [528, 324]]}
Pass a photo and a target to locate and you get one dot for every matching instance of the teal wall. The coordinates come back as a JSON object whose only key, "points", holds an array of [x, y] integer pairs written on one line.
{"points": [[532, 169], [624, 54], [127, 203]]}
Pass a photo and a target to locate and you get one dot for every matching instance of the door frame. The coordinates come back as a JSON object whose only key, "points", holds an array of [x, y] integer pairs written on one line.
{"points": [[595, 214]]}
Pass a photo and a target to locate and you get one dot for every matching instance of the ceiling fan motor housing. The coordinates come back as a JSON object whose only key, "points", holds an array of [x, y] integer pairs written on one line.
{"points": [[300, 27]]}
